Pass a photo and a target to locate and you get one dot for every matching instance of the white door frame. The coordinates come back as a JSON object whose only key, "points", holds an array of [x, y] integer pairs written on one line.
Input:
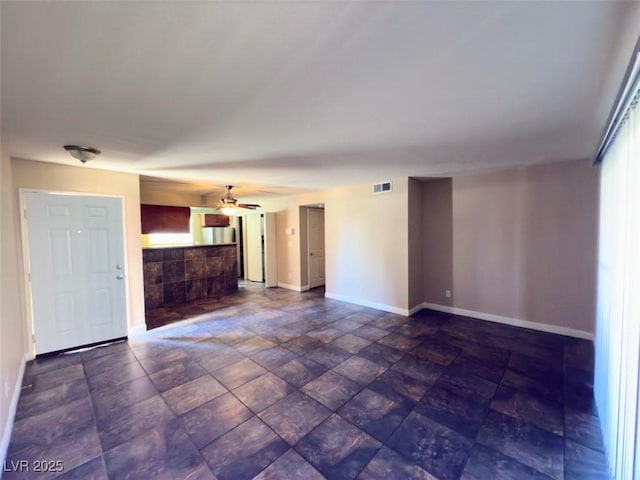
{"points": [[26, 267]]}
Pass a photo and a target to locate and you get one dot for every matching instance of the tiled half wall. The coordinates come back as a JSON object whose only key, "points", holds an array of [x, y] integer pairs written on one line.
{"points": [[181, 274]]}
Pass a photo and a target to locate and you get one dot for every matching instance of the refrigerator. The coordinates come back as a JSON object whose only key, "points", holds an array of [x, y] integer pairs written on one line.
{"points": [[218, 235]]}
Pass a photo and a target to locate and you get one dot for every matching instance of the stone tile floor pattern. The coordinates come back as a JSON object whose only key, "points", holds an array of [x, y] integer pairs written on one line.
{"points": [[274, 384]]}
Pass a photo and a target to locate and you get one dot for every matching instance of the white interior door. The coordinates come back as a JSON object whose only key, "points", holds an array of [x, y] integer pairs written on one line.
{"points": [[254, 250], [315, 226], [76, 261]]}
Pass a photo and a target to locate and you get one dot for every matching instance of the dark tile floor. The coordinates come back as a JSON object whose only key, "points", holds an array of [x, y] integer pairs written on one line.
{"points": [[274, 384]]}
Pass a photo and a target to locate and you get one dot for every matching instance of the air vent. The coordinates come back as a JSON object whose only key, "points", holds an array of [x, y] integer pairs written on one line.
{"points": [[381, 187]]}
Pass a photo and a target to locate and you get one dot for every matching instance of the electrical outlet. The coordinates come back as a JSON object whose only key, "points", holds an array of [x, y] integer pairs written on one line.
{"points": [[289, 275], [447, 293]]}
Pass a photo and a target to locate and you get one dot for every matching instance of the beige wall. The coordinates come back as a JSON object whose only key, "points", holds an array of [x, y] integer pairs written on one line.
{"points": [[524, 244], [437, 236], [288, 247], [13, 344], [366, 243], [163, 196], [367, 259], [53, 177]]}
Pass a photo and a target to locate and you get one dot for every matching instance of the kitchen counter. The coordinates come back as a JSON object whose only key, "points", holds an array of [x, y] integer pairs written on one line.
{"points": [[178, 274], [190, 245]]}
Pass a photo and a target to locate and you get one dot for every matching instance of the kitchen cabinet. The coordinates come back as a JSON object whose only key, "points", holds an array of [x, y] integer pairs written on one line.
{"points": [[164, 219], [213, 220]]}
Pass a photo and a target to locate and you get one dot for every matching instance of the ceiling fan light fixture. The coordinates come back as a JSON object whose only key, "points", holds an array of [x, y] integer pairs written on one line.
{"points": [[84, 154], [229, 204], [229, 210]]}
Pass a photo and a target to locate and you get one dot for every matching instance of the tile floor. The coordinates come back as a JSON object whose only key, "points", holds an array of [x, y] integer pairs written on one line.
{"points": [[274, 384]]}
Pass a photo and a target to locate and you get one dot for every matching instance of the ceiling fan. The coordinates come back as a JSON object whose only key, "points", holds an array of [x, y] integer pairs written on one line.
{"points": [[229, 204]]}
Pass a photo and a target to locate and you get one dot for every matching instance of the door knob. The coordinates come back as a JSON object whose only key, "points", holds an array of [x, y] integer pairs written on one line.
{"points": [[120, 277]]}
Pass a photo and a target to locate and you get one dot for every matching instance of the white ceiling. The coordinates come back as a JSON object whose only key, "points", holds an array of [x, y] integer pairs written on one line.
{"points": [[291, 96]]}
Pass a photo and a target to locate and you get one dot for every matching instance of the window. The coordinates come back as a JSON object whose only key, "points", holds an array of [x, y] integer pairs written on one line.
{"points": [[618, 311]]}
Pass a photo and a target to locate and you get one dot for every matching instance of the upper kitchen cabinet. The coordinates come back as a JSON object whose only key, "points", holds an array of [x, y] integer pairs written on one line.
{"points": [[212, 220], [164, 219]]}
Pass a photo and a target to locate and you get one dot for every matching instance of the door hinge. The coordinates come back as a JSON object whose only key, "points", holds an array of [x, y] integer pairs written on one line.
{"points": [[33, 338], [25, 213]]}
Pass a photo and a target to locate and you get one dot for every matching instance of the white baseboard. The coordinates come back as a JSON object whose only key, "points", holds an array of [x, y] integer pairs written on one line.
{"points": [[13, 406], [137, 330], [516, 322], [297, 288], [366, 303]]}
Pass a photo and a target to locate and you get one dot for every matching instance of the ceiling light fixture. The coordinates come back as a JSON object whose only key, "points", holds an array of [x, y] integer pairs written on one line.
{"points": [[229, 210], [84, 154], [229, 204]]}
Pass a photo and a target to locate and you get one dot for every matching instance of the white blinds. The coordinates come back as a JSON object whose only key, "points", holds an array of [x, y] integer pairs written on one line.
{"points": [[618, 312]]}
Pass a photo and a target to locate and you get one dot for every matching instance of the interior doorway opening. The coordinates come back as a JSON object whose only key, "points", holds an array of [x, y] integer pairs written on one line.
{"points": [[258, 244], [312, 244]]}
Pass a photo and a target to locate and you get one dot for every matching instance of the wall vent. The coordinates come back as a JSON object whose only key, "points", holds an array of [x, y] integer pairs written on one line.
{"points": [[383, 187]]}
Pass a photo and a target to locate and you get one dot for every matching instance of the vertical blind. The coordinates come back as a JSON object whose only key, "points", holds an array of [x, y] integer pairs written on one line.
{"points": [[618, 302]]}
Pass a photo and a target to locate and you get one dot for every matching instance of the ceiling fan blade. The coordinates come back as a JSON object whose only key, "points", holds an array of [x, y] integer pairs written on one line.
{"points": [[249, 206]]}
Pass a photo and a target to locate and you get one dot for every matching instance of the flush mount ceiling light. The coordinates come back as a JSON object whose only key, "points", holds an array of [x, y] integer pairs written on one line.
{"points": [[84, 154]]}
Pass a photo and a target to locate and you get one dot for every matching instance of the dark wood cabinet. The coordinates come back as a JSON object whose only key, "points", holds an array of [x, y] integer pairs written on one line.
{"points": [[213, 220], [164, 219]]}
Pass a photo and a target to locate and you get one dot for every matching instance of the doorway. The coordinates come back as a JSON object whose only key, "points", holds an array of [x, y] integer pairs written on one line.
{"points": [[254, 247], [315, 246], [76, 269], [260, 247]]}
